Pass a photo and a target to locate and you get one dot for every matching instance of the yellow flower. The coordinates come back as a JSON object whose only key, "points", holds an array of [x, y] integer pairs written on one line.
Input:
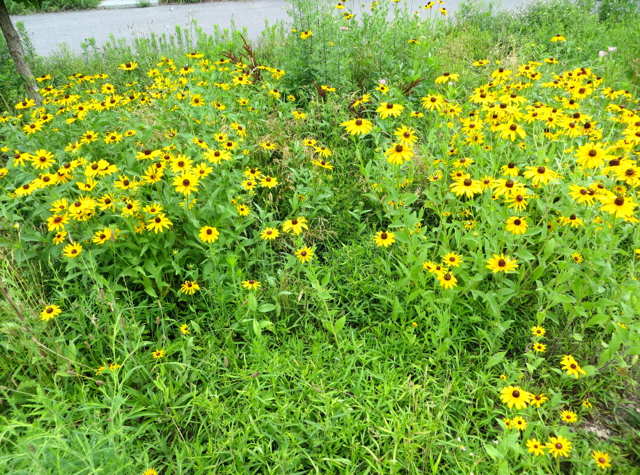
{"points": [[557, 38], [538, 399], [446, 280], [517, 225], [251, 284], [534, 447], [158, 223], [501, 263], [569, 417], [189, 287], [384, 238], [571, 366], [305, 254], [158, 353], [49, 312], [602, 459], [447, 77], [72, 250], [387, 109], [559, 446], [358, 126], [184, 329], [269, 182], [515, 396], [269, 234], [208, 234], [296, 226]]}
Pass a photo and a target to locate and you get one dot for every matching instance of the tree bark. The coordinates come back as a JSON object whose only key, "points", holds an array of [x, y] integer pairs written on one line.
{"points": [[17, 53]]}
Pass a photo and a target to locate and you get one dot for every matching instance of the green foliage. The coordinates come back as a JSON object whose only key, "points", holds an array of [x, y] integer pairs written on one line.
{"points": [[358, 361], [21, 7]]}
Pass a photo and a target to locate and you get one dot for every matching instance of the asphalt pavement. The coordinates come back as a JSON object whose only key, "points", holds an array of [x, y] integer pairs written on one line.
{"points": [[49, 31]]}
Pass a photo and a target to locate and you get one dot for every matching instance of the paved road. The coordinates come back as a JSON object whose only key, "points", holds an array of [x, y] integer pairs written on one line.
{"points": [[49, 30]]}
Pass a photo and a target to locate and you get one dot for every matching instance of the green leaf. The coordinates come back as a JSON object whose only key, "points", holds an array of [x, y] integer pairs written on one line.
{"points": [[493, 452], [266, 307], [495, 359], [599, 319], [339, 325]]}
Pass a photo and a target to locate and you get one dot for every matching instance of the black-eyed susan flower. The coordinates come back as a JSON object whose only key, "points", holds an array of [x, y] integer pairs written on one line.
{"points": [[269, 182], [384, 238], [102, 236], [572, 220], [447, 77], [577, 257], [49, 312], [447, 280], [72, 250], [569, 417], [55, 223], [184, 329], [571, 366], [501, 263], [539, 347], [519, 423], [189, 287], [558, 38], [387, 109], [538, 399], [603, 460], [398, 154], [59, 237], [128, 66], [358, 126], [559, 446], [186, 183], [516, 225], [535, 447], [452, 259], [208, 234], [156, 354], [295, 226], [251, 284], [243, 210], [540, 175], [42, 159], [538, 331], [515, 396], [158, 223], [322, 151], [591, 155], [269, 234], [620, 206], [304, 254], [467, 187]]}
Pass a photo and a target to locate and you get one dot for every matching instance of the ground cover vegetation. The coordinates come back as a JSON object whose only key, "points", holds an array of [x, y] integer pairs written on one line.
{"points": [[378, 241]]}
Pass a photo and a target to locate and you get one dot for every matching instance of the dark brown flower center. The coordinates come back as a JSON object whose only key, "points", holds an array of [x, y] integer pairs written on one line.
{"points": [[559, 446], [384, 236], [186, 182], [517, 222], [619, 201], [251, 281], [541, 170], [303, 253], [502, 263], [509, 183], [447, 277], [359, 122], [515, 392], [399, 148], [467, 182], [294, 222]]}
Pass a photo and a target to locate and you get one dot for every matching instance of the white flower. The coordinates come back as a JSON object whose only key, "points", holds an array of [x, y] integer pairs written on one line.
{"points": [[602, 54], [612, 49]]}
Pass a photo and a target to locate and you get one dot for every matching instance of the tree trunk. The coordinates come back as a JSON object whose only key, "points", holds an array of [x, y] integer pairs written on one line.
{"points": [[17, 53]]}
